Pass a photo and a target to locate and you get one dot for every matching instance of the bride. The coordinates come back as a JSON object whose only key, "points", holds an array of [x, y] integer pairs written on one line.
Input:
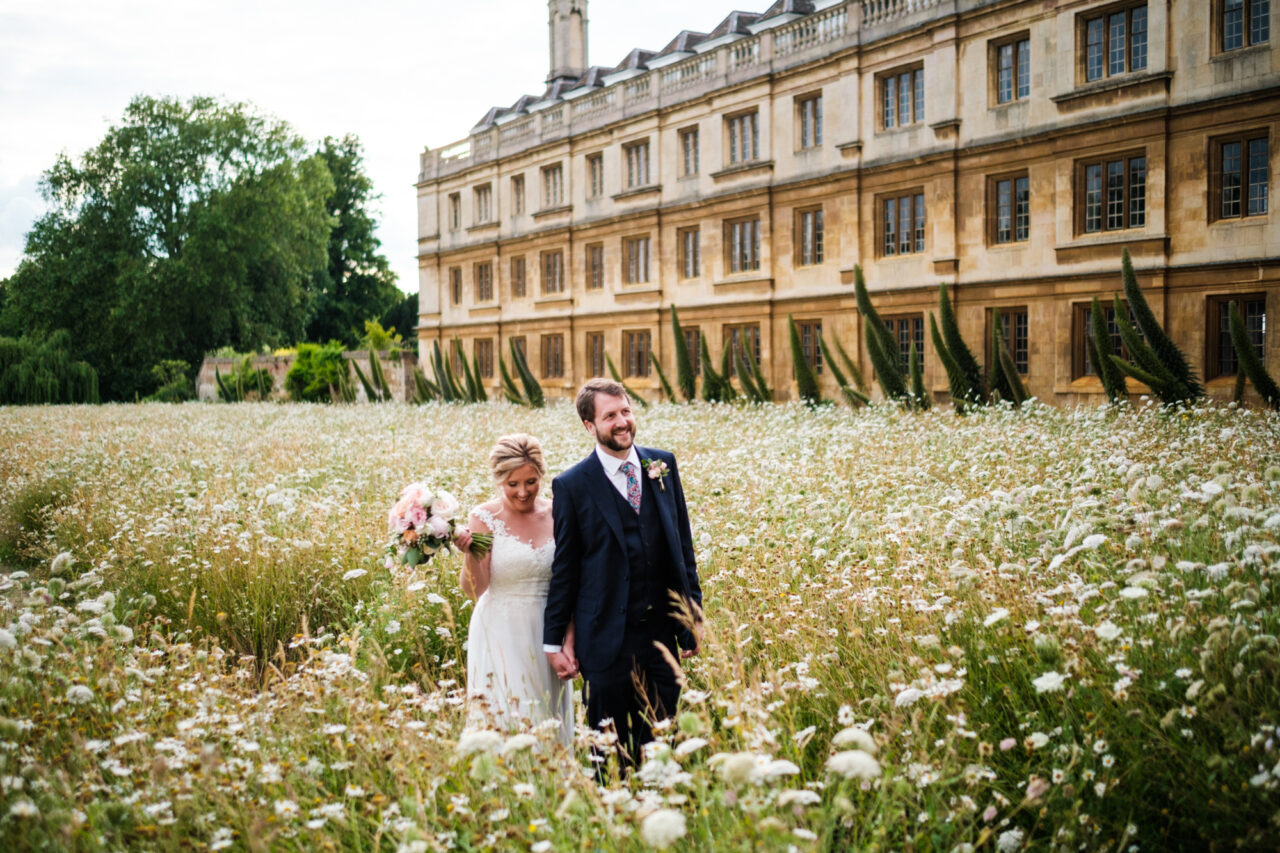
{"points": [[509, 680]]}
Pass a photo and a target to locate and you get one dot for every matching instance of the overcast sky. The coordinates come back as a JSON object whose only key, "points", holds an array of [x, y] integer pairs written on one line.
{"points": [[400, 74]]}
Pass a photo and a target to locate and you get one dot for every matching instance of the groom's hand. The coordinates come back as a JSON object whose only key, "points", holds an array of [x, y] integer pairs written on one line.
{"points": [[564, 665], [697, 642]]}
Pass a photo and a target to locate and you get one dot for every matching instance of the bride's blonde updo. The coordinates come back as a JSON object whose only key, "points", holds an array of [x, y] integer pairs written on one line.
{"points": [[515, 451]]}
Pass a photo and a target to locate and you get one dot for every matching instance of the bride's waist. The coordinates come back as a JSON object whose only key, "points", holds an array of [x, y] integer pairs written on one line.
{"points": [[517, 592]]}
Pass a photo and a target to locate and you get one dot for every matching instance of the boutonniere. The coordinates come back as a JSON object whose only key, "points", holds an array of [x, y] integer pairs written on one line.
{"points": [[657, 470]]}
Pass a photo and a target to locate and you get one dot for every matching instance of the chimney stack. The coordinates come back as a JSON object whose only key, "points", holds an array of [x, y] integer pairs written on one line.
{"points": [[568, 39]]}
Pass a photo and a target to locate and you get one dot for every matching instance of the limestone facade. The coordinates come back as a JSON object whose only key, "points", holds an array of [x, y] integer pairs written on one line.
{"points": [[1009, 148]]}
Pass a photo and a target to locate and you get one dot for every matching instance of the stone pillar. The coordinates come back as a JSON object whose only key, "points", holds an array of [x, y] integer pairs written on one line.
{"points": [[568, 25]]}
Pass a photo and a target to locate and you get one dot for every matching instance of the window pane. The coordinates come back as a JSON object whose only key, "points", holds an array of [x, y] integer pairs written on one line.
{"points": [[1093, 198], [1004, 211], [1257, 176], [1004, 78], [1137, 192], [1259, 21], [1093, 50], [890, 226], [1024, 68], [1255, 323], [755, 135], [1022, 209], [904, 99], [1115, 194], [919, 78], [817, 120], [1138, 53], [1231, 179], [904, 225], [889, 112], [1232, 25], [1115, 43], [919, 247]]}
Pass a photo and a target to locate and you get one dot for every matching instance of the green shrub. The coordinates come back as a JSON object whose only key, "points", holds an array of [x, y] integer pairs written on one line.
{"points": [[319, 374]]}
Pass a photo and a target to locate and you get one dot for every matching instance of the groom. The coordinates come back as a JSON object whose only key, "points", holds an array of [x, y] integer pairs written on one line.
{"points": [[622, 548]]}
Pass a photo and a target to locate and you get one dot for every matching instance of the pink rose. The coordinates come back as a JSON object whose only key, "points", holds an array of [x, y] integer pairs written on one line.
{"points": [[445, 505], [438, 527], [416, 516]]}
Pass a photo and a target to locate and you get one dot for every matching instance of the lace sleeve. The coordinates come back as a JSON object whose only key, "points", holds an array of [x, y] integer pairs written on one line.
{"points": [[493, 523]]}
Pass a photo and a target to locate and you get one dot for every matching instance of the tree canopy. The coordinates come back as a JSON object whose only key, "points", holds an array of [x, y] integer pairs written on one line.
{"points": [[193, 225]]}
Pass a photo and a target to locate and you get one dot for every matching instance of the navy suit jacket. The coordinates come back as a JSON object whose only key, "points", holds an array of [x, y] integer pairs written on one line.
{"points": [[589, 576]]}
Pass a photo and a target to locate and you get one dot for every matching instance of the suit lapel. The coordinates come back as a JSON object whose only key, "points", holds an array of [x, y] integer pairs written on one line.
{"points": [[601, 491]]}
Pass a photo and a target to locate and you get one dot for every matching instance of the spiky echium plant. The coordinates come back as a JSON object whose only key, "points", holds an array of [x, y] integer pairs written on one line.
{"points": [[684, 360], [919, 395], [758, 379], [727, 392], [880, 344], [444, 379], [532, 388], [482, 396], [712, 381], [855, 375], [852, 395], [957, 383], [471, 393], [1248, 363], [1146, 366], [1010, 381], [378, 376], [371, 392], [424, 389], [617, 377], [1165, 350], [807, 387], [1100, 352], [667, 390], [970, 378], [746, 377], [509, 389]]}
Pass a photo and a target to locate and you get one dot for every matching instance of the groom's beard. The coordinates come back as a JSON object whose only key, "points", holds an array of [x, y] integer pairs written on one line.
{"points": [[611, 441]]}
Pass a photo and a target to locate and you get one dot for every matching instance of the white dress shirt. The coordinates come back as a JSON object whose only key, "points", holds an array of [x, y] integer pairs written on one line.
{"points": [[613, 467], [612, 470]]}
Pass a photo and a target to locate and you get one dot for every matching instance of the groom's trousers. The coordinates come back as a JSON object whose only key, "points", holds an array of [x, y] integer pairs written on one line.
{"points": [[639, 689]]}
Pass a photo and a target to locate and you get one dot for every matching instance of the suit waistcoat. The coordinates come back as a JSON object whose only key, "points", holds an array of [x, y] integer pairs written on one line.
{"points": [[650, 574]]}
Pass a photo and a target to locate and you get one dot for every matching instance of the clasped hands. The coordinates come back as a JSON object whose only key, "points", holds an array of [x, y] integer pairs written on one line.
{"points": [[564, 662]]}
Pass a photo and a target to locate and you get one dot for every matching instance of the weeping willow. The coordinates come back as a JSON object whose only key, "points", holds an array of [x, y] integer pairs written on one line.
{"points": [[41, 370]]}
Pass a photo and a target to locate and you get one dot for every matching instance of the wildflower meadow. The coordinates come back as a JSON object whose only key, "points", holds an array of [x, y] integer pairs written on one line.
{"points": [[1031, 628]]}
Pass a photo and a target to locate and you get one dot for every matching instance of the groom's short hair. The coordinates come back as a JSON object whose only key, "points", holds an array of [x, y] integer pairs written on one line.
{"points": [[586, 401]]}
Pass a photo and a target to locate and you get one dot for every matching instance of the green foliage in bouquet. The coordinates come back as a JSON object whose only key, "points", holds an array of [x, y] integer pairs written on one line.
{"points": [[1100, 353], [319, 374], [806, 379], [684, 361], [41, 370], [1248, 364]]}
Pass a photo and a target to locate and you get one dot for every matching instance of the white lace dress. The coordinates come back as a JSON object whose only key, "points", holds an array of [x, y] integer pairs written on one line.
{"points": [[509, 680]]}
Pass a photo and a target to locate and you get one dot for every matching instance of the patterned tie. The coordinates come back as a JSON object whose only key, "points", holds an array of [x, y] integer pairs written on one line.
{"points": [[633, 486]]}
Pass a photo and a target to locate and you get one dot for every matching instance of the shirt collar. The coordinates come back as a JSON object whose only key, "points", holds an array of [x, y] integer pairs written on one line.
{"points": [[612, 463]]}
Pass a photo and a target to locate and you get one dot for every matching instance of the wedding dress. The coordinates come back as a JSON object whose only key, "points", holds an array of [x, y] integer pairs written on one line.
{"points": [[509, 680]]}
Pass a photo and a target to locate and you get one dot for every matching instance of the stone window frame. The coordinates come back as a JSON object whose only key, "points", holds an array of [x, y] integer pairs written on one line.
{"points": [[1019, 47], [1245, 200], [810, 236], [1219, 354], [1016, 328], [1017, 233], [1104, 162], [637, 344], [1085, 35]]}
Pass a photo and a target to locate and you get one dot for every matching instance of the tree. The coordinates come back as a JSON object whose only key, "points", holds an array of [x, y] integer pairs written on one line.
{"points": [[402, 317], [191, 225], [357, 284]]}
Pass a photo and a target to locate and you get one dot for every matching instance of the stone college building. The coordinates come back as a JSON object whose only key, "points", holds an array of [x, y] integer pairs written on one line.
{"points": [[1011, 148]]}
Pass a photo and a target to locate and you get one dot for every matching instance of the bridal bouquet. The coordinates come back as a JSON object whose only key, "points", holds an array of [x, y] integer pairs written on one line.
{"points": [[423, 522]]}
